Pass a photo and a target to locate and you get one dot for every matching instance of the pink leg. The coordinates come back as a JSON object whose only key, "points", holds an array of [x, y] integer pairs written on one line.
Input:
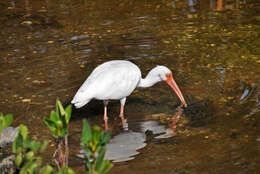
{"points": [[123, 120], [122, 111], [105, 116], [122, 114]]}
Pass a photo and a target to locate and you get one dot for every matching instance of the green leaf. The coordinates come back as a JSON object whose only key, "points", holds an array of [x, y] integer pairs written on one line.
{"points": [[54, 116], [62, 111], [17, 144], [105, 167], [88, 152], [29, 155], [68, 113], [35, 145], [65, 127], [86, 133], [18, 160], [26, 143], [30, 167], [100, 158], [23, 130], [59, 133], [59, 124], [44, 146], [88, 165], [96, 135], [49, 123], [105, 137], [66, 170], [57, 107], [1, 124], [52, 127], [8, 119], [47, 170]]}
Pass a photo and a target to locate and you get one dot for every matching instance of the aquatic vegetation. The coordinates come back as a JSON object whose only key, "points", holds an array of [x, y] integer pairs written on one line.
{"points": [[58, 125], [7, 133], [5, 121], [26, 151], [94, 143], [6, 136], [26, 159]]}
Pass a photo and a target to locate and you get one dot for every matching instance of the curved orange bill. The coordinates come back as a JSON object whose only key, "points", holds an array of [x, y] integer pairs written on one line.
{"points": [[170, 81]]}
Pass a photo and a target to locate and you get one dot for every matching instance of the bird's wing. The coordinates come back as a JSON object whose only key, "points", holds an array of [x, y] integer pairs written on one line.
{"points": [[96, 75], [112, 80]]}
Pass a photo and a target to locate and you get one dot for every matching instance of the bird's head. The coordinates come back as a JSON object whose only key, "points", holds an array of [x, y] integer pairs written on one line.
{"points": [[165, 74], [162, 72]]}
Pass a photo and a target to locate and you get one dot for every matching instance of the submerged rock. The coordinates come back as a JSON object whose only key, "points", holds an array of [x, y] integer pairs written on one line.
{"points": [[8, 135], [7, 164]]}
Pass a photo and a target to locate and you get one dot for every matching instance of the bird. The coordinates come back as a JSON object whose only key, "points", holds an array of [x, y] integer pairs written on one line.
{"points": [[116, 80]]}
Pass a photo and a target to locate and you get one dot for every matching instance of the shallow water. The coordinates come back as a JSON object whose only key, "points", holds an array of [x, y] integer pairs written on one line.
{"points": [[48, 48]]}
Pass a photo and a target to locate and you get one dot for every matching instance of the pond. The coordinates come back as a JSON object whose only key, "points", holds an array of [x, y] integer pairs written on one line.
{"points": [[48, 49]]}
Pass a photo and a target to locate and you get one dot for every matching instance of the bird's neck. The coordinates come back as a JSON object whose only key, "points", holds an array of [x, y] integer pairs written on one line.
{"points": [[151, 79]]}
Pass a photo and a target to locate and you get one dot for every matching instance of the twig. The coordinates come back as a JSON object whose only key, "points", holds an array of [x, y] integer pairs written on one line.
{"points": [[66, 151]]}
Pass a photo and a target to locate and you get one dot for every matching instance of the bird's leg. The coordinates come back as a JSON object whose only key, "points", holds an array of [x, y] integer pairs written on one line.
{"points": [[105, 114], [121, 115], [122, 112], [122, 101]]}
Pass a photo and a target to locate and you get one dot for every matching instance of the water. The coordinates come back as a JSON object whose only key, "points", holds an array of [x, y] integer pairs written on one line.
{"points": [[49, 48]]}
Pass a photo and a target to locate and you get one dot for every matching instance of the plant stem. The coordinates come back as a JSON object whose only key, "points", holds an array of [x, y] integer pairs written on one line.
{"points": [[66, 151]]}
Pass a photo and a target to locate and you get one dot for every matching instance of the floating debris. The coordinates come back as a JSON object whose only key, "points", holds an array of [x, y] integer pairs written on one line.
{"points": [[26, 23], [50, 41], [26, 100]]}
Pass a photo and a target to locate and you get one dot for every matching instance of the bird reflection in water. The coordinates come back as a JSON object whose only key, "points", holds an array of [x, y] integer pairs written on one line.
{"points": [[128, 143]]}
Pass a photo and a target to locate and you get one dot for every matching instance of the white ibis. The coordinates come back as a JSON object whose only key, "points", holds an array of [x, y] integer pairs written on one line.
{"points": [[116, 80]]}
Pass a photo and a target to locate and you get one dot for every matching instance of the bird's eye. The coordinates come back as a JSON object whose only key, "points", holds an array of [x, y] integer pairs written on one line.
{"points": [[168, 76]]}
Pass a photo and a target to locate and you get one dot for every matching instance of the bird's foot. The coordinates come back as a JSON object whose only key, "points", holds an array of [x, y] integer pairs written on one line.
{"points": [[106, 125], [107, 128], [123, 119], [124, 122]]}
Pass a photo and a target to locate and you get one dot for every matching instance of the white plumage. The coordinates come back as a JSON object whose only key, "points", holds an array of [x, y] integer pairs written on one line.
{"points": [[111, 80], [116, 80]]}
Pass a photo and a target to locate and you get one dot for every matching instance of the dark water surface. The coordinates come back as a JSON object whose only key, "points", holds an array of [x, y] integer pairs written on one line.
{"points": [[48, 48]]}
